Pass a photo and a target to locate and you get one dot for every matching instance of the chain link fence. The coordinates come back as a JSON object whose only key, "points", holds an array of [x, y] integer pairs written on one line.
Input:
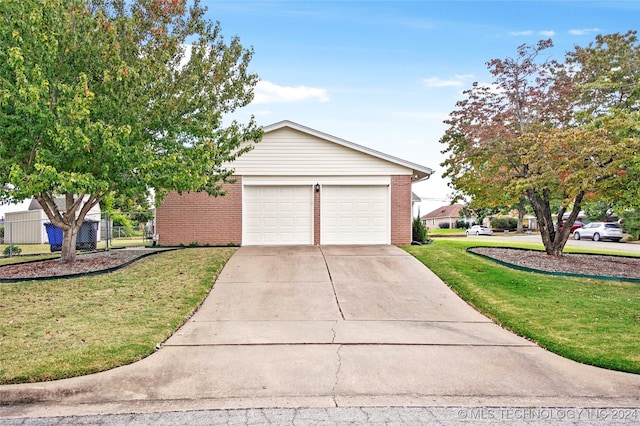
{"points": [[31, 232]]}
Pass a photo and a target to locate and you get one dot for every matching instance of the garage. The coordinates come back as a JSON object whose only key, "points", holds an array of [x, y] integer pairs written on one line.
{"points": [[278, 215], [299, 186], [355, 214]]}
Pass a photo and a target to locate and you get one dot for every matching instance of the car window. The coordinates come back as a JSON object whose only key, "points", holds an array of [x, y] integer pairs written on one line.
{"points": [[612, 225]]}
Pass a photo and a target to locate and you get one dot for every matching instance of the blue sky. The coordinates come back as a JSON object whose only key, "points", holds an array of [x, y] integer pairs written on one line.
{"points": [[385, 74]]}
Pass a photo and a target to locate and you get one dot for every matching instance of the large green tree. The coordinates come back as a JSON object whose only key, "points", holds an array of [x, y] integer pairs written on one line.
{"points": [[607, 73], [530, 134], [115, 96]]}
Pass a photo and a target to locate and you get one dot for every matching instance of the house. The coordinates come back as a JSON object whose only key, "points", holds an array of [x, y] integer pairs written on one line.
{"points": [[299, 186], [449, 214]]}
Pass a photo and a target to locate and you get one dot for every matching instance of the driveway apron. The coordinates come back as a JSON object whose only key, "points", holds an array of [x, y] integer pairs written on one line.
{"points": [[332, 326]]}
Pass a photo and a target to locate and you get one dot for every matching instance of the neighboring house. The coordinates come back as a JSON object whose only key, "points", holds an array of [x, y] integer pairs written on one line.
{"points": [[299, 186], [27, 227], [446, 214]]}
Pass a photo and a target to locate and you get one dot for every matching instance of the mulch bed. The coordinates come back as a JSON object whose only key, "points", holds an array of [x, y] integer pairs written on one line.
{"points": [[568, 263], [84, 263]]}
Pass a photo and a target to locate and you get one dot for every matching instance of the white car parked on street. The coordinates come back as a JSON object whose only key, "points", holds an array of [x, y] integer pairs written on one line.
{"points": [[599, 231], [479, 230]]}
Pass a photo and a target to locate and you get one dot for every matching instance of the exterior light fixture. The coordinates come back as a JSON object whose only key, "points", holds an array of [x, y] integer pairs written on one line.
{"points": [[317, 187]]}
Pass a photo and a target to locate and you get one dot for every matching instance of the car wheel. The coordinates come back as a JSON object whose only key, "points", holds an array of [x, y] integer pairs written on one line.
{"points": [[477, 233], [467, 233], [596, 237], [576, 235]]}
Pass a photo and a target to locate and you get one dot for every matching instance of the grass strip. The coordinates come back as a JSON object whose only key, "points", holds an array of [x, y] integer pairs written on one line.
{"points": [[590, 321], [70, 327]]}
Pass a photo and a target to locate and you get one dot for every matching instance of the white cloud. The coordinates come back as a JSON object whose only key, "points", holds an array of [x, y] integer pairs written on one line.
{"points": [[267, 92], [456, 81], [584, 31], [543, 33], [522, 33]]}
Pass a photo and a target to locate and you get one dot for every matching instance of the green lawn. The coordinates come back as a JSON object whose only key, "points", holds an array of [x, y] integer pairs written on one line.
{"points": [[438, 232], [69, 327], [590, 321]]}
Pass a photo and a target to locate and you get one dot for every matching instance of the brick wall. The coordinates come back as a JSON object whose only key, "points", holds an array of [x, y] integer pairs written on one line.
{"points": [[196, 217], [401, 210]]}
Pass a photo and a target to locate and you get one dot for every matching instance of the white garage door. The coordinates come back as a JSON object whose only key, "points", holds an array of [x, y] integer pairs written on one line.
{"points": [[355, 215], [278, 215]]}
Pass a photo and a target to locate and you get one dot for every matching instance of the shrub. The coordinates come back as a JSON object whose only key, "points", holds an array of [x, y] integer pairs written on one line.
{"points": [[462, 224], [631, 224], [12, 250], [419, 233], [123, 222], [443, 225], [504, 222]]}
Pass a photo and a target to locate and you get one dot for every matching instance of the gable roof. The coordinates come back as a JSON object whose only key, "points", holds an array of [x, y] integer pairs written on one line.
{"points": [[452, 210], [419, 172]]}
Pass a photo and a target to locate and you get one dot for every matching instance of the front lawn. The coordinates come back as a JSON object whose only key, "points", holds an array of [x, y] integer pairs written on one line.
{"points": [[70, 327], [442, 232], [590, 321]]}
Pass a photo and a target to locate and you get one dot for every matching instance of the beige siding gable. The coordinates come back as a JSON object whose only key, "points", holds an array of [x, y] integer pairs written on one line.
{"points": [[287, 151]]}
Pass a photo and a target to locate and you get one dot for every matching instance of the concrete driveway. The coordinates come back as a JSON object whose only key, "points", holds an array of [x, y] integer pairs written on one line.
{"points": [[326, 327]]}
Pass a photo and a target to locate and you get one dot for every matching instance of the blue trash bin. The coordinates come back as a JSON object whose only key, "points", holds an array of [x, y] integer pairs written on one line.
{"points": [[86, 239], [54, 234]]}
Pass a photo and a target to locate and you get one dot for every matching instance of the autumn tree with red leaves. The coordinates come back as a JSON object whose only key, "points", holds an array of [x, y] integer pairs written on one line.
{"points": [[528, 134]]}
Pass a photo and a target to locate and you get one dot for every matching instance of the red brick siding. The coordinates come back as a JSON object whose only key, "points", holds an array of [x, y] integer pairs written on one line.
{"points": [[196, 217], [401, 210]]}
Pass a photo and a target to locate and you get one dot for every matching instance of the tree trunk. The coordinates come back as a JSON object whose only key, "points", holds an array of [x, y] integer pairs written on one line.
{"points": [[520, 230], [69, 238], [553, 239]]}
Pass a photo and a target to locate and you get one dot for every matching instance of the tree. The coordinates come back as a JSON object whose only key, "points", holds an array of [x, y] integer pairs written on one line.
{"points": [[520, 137], [598, 210], [419, 233], [608, 74], [101, 97]]}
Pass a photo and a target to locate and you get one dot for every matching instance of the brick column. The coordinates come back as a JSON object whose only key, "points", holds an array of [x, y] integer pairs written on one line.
{"points": [[401, 210]]}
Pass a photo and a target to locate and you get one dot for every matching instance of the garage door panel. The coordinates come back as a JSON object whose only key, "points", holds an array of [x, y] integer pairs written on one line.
{"points": [[355, 215], [278, 215]]}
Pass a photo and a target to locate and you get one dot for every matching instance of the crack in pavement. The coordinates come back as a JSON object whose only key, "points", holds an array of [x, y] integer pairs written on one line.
{"points": [[337, 376], [333, 286]]}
